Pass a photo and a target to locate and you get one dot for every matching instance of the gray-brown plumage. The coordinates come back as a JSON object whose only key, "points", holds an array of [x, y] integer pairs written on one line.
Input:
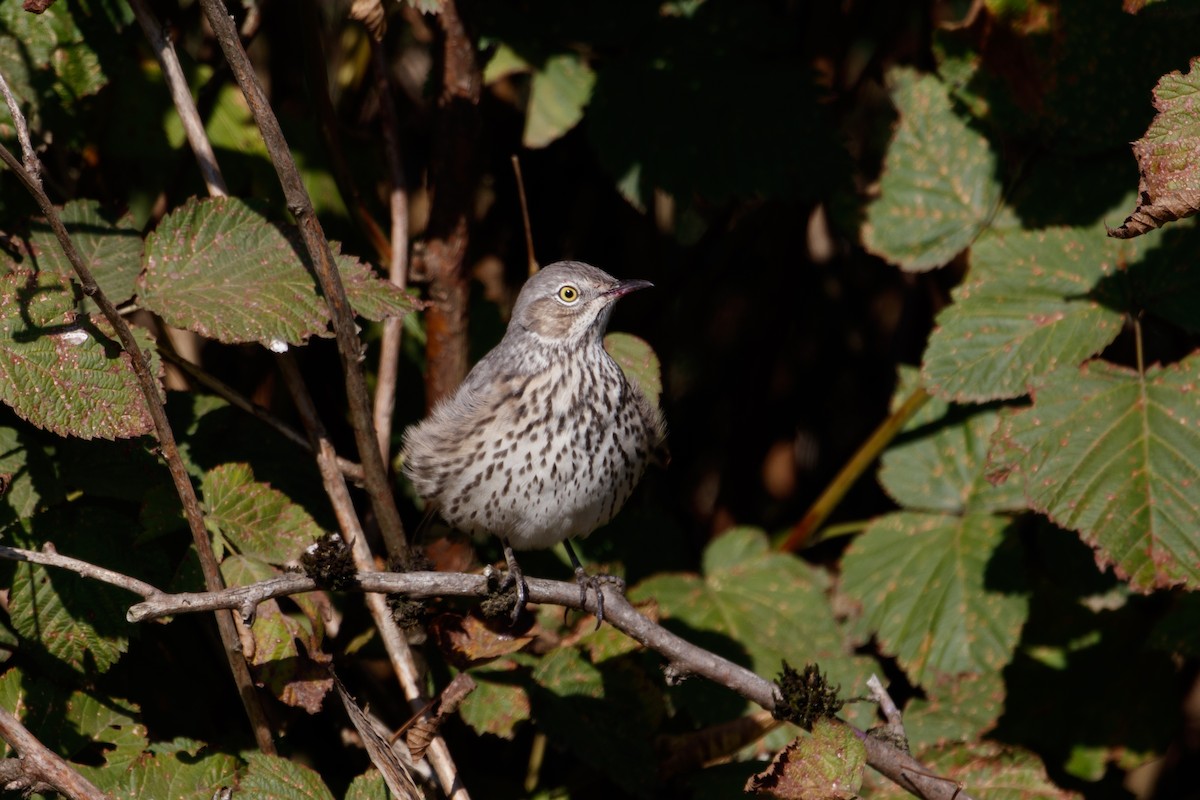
{"points": [[546, 438]]}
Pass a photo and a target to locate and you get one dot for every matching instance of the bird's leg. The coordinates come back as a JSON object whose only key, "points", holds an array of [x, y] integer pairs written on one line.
{"points": [[595, 582], [515, 575]]}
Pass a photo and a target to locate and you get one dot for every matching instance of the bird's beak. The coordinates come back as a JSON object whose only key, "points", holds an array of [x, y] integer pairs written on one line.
{"points": [[625, 287]]}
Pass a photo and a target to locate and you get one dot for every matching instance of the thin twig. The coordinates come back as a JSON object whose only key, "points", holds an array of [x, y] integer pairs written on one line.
{"points": [[235, 398], [396, 645], [299, 203], [167, 446], [47, 557], [181, 96], [533, 263], [389, 350], [28, 156], [41, 766]]}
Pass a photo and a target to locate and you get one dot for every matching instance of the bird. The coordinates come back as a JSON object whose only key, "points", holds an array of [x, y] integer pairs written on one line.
{"points": [[546, 438]]}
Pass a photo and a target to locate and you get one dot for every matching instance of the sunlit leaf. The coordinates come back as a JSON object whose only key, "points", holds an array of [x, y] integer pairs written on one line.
{"points": [[558, 92], [1115, 456], [939, 183], [272, 778], [112, 251], [255, 519], [923, 583], [829, 765]]}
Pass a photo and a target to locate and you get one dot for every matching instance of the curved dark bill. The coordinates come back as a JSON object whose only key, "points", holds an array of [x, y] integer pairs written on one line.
{"points": [[625, 287]]}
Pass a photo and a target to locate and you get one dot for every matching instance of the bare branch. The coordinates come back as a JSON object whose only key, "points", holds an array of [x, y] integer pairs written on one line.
{"points": [[40, 767], [300, 204], [50, 558], [30, 159]]}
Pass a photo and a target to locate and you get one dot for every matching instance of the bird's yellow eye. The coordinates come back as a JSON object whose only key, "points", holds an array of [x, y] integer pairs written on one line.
{"points": [[568, 294]]}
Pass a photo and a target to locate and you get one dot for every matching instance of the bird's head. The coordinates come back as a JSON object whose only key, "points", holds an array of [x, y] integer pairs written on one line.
{"points": [[570, 302]]}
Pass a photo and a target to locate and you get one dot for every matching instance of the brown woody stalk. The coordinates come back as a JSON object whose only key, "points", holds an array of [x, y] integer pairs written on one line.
{"points": [[37, 769], [300, 204]]}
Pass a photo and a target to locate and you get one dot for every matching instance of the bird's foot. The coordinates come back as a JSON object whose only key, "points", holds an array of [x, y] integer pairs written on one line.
{"points": [[596, 583], [515, 577]]}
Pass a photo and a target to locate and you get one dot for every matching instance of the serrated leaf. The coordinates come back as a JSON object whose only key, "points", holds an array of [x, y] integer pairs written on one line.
{"points": [[986, 769], [217, 267], [939, 184], [829, 765], [558, 92], [1169, 183], [27, 474], [923, 583], [180, 776], [1034, 301], [594, 712], [499, 702], [1115, 456], [78, 725], [939, 460], [274, 778], [956, 709], [370, 295], [78, 621], [64, 373], [757, 607], [638, 361], [111, 250], [254, 519]]}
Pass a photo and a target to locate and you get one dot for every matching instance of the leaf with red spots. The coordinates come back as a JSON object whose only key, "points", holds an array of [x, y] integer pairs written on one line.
{"points": [[111, 250], [1033, 301], [923, 581], [939, 186], [1115, 455], [985, 769], [828, 765], [62, 371], [220, 268], [1168, 157], [253, 518]]}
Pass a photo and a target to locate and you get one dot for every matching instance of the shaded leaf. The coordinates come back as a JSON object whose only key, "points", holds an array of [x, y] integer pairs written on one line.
{"points": [[370, 295], [500, 701], [273, 778], [987, 770], [922, 581], [956, 709], [254, 519], [179, 776], [558, 92], [26, 473], [61, 372], [828, 765], [1034, 301], [756, 607], [111, 250], [1115, 456], [938, 462], [368, 786], [939, 184], [638, 361]]}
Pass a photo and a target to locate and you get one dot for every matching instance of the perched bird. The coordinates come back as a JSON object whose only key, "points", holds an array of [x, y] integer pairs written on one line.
{"points": [[546, 438]]}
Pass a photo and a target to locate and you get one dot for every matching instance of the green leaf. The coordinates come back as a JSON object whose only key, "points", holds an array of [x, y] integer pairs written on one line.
{"points": [[558, 93], [500, 701], [27, 472], [939, 184], [274, 778], [1034, 301], [100, 731], [254, 519], [78, 621], [638, 361], [368, 786], [111, 250], [180, 776], [956, 709], [46, 62], [370, 295], [504, 62], [758, 608], [938, 462], [219, 268], [829, 764], [923, 582], [61, 372], [989, 770], [599, 715], [1115, 456]]}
